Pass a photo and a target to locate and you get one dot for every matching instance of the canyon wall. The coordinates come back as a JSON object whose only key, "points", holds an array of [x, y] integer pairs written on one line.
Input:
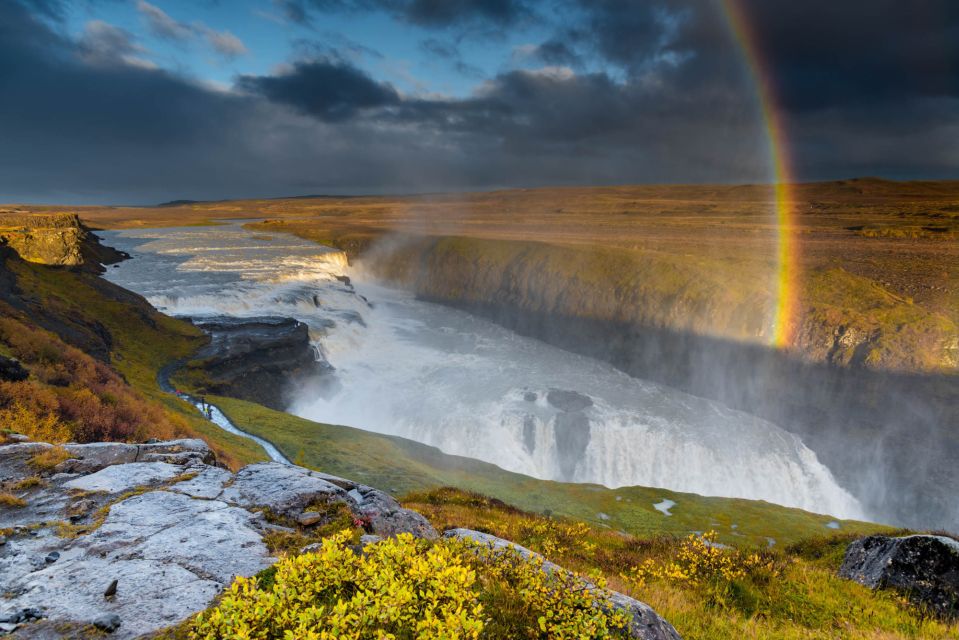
{"points": [[845, 320], [53, 239], [867, 384]]}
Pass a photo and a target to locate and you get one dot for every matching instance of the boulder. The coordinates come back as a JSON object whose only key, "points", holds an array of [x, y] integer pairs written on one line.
{"points": [[645, 623], [568, 400], [385, 515], [572, 438], [257, 359], [169, 554], [124, 477], [286, 490], [11, 370], [571, 428], [183, 452], [924, 567]]}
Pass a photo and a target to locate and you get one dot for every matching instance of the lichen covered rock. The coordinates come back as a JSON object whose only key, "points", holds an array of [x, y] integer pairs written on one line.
{"points": [[133, 538], [925, 568]]}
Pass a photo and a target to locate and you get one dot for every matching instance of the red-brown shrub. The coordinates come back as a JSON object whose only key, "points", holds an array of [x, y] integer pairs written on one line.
{"points": [[72, 396]]}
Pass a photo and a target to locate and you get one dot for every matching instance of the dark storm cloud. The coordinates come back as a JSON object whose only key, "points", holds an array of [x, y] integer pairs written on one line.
{"points": [[449, 52], [660, 93], [329, 90], [78, 115], [847, 77], [837, 53], [557, 52], [426, 13], [443, 13]]}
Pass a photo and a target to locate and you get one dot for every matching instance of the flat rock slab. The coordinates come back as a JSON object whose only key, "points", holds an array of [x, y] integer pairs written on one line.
{"points": [[645, 623], [285, 489], [207, 484], [925, 568], [171, 548], [170, 554], [124, 477]]}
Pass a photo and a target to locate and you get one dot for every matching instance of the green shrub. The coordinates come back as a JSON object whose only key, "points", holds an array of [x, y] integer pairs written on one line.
{"points": [[408, 588]]}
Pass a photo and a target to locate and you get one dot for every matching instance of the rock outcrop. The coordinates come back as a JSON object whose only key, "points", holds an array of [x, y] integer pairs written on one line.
{"points": [[58, 239], [256, 359], [46, 239], [645, 623], [132, 538], [924, 567], [12, 371]]}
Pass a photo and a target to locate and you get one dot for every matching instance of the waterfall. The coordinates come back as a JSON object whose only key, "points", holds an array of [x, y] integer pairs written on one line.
{"points": [[442, 377]]}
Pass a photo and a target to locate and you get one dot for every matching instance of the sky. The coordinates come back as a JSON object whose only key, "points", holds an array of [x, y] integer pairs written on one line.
{"points": [[137, 102]]}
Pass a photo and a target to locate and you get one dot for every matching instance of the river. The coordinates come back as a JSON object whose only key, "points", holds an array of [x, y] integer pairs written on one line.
{"points": [[445, 378]]}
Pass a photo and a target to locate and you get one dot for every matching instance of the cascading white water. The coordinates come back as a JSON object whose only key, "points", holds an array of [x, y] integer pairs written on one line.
{"points": [[467, 386]]}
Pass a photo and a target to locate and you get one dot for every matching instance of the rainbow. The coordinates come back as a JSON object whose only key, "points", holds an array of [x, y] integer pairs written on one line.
{"points": [[787, 258]]}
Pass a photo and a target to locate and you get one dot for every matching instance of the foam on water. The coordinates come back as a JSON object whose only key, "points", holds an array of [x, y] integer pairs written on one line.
{"points": [[467, 386]]}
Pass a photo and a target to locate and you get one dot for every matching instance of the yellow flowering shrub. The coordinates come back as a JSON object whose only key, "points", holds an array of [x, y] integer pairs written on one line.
{"points": [[525, 601], [407, 588], [553, 537], [399, 588], [699, 560]]}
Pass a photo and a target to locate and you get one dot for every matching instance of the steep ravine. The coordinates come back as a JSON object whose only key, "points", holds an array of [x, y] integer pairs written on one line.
{"points": [[702, 337]]}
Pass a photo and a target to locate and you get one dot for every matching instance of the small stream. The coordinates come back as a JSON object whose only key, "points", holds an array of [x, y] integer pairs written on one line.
{"points": [[213, 413]]}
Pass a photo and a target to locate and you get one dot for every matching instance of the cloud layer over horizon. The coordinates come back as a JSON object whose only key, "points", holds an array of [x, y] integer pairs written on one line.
{"points": [[597, 92]]}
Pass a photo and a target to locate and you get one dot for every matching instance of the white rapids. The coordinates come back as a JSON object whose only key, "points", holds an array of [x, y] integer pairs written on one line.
{"points": [[445, 378]]}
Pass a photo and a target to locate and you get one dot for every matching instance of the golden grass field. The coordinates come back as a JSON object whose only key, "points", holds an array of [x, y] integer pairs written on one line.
{"points": [[872, 254], [904, 235]]}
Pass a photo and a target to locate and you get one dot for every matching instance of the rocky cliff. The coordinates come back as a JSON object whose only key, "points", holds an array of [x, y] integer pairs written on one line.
{"points": [[262, 360], [846, 320], [58, 239], [860, 350]]}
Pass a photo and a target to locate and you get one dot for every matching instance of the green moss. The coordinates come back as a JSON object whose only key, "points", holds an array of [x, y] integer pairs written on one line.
{"points": [[891, 332]]}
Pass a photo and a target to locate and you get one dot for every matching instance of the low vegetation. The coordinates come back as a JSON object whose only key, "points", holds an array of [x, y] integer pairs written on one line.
{"points": [[707, 590], [408, 588], [70, 396], [401, 466], [335, 518], [93, 352], [11, 501], [46, 460]]}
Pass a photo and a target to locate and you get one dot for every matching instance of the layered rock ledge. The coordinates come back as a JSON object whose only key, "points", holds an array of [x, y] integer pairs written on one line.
{"points": [[262, 360]]}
